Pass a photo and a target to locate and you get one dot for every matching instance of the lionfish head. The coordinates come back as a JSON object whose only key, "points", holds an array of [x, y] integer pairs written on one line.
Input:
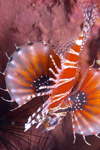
{"points": [[50, 123], [44, 119]]}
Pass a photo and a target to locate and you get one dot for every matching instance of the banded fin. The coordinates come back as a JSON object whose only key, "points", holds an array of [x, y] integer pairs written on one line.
{"points": [[86, 105], [28, 69], [36, 118]]}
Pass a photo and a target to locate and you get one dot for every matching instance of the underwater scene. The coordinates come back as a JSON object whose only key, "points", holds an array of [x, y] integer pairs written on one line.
{"points": [[50, 75]]}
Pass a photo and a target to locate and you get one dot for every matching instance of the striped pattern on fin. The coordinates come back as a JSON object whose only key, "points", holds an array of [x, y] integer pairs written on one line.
{"points": [[36, 118], [86, 105], [28, 69]]}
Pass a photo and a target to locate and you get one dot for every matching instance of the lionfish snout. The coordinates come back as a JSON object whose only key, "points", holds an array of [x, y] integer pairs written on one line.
{"points": [[48, 119]]}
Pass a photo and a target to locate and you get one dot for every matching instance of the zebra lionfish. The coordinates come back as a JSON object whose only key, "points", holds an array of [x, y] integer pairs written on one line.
{"points": [[35, 70], [51, 113]]}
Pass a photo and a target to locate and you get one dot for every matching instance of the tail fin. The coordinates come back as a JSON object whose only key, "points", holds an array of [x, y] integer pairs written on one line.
{"points": [[42, 117], [86, 105]]}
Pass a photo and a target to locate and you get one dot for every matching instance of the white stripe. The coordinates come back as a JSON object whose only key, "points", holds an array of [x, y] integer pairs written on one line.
{"points": [[29, 119], [70, 62], [33, 115], [29, 97], [73, 52], [65, 81], [38, 117], [55, 108], [56, 75], [27, 126], [33, 122], [66, 67], [54, 80], [60, 96], [59, 114], [39, 109], [58, 70]]}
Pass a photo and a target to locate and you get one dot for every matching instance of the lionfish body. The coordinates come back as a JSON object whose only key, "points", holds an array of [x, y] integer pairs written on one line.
{"points": [[56, 107]]}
